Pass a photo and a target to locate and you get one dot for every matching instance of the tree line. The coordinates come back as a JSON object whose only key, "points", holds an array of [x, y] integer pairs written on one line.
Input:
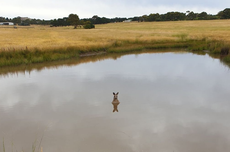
{"points": [[189, 15], [18, 20], [169, 16], [85, 22], [73, 19]]}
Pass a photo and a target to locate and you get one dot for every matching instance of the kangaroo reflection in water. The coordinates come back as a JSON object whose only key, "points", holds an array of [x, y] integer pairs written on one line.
{"points": [[115, 101]]}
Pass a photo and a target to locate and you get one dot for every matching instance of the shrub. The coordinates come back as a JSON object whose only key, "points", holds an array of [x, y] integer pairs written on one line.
{"points": [[88, 25]]}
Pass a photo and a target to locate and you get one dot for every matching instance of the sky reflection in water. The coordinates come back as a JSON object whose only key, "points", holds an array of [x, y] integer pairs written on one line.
{"points": [[168, 102]]}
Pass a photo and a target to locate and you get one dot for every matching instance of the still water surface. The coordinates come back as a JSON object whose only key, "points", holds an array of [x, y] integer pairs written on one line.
{"points": [[169, 102]]}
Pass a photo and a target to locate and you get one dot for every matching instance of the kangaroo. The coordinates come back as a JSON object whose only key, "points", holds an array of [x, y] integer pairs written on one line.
{"points": [[115, 101]]}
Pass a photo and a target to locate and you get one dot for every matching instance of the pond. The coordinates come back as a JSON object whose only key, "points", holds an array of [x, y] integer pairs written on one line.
{"points": [[169, 102]]}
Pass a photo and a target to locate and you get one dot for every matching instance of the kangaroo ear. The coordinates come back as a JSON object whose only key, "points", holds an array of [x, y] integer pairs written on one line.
{"points": [[113, 93], [117, 93]]}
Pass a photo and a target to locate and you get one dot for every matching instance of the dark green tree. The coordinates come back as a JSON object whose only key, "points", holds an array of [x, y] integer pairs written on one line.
{"points": [[2, 19], [145, 18], [17, 20], [154, 17], [88, 25], [73, 20], [94, 17], [225, 14], [191, 15], [25, 23], [203, 16]]}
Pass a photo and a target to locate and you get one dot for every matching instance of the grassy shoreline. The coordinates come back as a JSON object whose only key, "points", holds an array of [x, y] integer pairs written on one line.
{"points": [[45, 44], [12, 58], [8, 70]]}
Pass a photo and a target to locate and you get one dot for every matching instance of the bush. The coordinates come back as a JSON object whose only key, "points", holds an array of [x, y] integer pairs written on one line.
{"points": [[88, 25]]}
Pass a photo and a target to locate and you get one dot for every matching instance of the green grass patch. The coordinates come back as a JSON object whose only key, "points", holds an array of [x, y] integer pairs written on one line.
{"points": [[10, 58], [226, 59], [131, 46]]}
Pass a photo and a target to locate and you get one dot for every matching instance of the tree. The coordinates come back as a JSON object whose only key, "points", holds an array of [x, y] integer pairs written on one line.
{"points": [[2, 19], [17, 20], [203, 16], [225, 14], [174, 16], [191, 16], [145, 18], [154, 17], [94, 17], [25, 23], [73, 20]]}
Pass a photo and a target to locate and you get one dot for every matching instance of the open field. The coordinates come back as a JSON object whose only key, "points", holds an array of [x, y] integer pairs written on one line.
{"points": [[44, 37], [114, 36]]}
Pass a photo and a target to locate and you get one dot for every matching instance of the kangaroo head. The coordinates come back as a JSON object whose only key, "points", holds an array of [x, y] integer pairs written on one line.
{"points": [[115, 95]]}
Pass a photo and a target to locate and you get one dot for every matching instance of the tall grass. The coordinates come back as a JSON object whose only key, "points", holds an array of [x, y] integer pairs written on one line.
{"points": [[34, 146], [3, 145], [43, 43], [226, 59]]}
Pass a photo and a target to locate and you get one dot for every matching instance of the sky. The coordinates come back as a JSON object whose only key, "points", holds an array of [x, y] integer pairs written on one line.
{"points": [[51, 9]]}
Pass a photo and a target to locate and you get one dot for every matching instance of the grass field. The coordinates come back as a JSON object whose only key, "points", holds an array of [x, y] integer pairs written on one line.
{"points": [[44, 43]]}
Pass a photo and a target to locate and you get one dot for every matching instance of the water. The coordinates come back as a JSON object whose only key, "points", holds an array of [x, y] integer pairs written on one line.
{"points": [[169, 102]]}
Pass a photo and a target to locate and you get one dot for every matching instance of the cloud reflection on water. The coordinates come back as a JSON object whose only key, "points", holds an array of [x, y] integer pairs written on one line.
{"points": [[170, 102]]}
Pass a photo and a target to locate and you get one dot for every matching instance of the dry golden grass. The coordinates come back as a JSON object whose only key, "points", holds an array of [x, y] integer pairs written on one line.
{"points": [[45, 38]]}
